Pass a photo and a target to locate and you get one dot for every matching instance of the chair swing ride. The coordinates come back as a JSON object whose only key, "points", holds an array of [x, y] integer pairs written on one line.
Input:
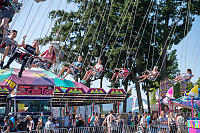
{"points": [[29, 57]]}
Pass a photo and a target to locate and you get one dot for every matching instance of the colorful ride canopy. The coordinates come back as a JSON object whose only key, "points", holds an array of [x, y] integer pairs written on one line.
{"points": [[8, 77]]}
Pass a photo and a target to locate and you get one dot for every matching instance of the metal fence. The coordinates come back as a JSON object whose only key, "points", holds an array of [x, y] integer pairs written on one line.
{"points": [[117, 129]]}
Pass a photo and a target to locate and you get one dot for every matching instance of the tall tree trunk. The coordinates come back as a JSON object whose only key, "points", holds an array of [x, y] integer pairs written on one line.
{"points": [[139, 96], [164, 56], [125, 102], [148, 100], [101, 83], [115, 107]]}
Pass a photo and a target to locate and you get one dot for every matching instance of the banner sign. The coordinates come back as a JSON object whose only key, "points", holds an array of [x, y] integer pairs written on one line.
{"points": [[96, 91], [114, 91], [165, 86], [35, 90], [69, 90], [5, 89]]}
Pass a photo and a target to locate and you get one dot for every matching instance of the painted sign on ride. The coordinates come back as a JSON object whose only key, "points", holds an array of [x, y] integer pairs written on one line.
{"points": [[35, 90]]}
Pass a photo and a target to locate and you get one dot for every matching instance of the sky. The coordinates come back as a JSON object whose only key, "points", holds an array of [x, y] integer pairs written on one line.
{"points": [[33, 21]]}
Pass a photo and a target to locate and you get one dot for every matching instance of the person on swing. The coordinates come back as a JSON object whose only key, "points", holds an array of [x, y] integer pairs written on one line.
{"points": [[48, 57], [95, 71], [7, 44], [32, 50], [187, 77], [7, 12], [119, 73], [73, 68], [151, 74]]}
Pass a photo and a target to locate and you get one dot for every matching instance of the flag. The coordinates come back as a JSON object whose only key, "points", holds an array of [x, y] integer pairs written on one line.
{"points": [[194, 91], [133, 105], [170, 93]]}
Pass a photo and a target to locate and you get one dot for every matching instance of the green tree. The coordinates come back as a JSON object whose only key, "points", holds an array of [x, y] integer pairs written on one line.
{"points": [[121, 32]]}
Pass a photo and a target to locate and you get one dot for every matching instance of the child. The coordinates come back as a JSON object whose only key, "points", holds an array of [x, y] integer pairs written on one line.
{"points": [[95, 71], [151, 74], [50, 55], [185, 78], [120, 73], [7, 44], [74, 68], [33, 50]]}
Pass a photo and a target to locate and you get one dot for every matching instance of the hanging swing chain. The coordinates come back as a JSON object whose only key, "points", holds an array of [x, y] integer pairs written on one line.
{"points": [[45, 20], [73, 24], [165, 45], [154, 43], [26, 20], [100, 30], [150, 43], [34, 18], [52, 21], [145, 24], [187, 30], [42, 17], [102, 16], [123, 16], [142, 34], [133, 11], [17, 16], [173, 29], [87, 29], [106, 27], [103, 49], [128, 53]]}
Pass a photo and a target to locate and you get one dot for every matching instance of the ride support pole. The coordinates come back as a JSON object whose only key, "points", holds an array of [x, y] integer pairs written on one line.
{"points": [[192, 107], [118, 107], [169, 105]]}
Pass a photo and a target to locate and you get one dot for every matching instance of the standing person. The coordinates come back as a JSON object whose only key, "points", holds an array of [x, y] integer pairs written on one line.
{"points": [[92, 120], [120, 123], [96, 119], [66, 123], [162, 120], [74, 68], [110, 122], [181, 123], [148, 118], [43, 119], [49, 125], [130, 117], [152, 122], [6, 124], [143, 122], [80, 121], [32, 124], [171, 123], [56, 124], [33, 50], [39, 126], [11, 127], [136, 119], [7, 44]]}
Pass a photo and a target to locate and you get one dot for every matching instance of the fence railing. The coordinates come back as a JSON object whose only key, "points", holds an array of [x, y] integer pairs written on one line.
{"points": [[118, 129]]}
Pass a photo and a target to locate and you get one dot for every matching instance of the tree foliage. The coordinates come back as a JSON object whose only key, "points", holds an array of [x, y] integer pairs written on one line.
{"points": [[134, 33]]}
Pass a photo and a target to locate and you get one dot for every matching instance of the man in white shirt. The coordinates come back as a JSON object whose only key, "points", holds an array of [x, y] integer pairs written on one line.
{"points": [[49, 125], [181, 123]]}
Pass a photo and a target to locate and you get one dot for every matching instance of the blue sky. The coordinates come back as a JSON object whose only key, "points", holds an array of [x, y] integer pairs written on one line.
{"points": [[187, 50]]}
